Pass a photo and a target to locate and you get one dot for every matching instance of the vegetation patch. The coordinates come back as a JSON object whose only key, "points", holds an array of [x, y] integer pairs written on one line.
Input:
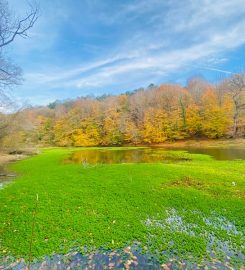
{"points": [[112, 206], [187, 181], [211, 188]]}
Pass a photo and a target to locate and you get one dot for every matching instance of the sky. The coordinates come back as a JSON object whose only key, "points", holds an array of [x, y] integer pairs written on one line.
{"points": [[94, 47]]}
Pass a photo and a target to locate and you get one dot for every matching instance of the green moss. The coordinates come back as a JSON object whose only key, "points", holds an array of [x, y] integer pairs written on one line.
{"points": [[107, 205]]}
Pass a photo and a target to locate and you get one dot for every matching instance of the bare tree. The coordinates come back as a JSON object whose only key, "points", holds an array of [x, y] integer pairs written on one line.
{"points": [[196, 87], [236, 87], [11, 28]]}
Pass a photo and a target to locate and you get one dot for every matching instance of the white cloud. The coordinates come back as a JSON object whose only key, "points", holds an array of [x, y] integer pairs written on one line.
{"points": [[170, 35], [107, 71]]}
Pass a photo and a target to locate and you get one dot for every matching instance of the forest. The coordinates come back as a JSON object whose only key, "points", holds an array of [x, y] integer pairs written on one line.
{"points": [[168, 112]]}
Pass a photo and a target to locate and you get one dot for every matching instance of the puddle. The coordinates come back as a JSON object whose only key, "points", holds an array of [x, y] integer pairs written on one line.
{"points": [[131, 257], [222, 238], [5, 177], [127, 258]]}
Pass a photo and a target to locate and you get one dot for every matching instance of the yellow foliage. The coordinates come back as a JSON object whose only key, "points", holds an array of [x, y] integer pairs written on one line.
{"points": [[155, 124], [131, 133], [193, 119], [215, 121]]}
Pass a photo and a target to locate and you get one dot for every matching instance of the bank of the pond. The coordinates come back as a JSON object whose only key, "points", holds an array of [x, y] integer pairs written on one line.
{"points": [[5, 175], [193, 210], [206, 143], [8, 157]]}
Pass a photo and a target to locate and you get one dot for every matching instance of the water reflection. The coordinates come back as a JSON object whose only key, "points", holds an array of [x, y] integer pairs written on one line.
{"points": [[219, 153], [150, 155], [123, 156]]}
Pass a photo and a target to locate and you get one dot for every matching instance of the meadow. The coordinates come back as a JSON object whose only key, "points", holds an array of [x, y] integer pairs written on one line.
{"points": [[190, 207]]}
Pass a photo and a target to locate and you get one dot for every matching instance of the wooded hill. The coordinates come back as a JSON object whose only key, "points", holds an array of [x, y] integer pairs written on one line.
{"points": [[144, 116]]}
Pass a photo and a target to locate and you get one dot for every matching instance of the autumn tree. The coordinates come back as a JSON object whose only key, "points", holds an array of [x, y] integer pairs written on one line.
{"points": [[215, 122], [154, 115], [156, 126], [196, 86], [236, 88], [112, 121], [130, 130]]}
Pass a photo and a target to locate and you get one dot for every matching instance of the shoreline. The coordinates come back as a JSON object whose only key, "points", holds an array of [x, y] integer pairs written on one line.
{"points": [[200, 143], [194, 143], [5, 174], [7, 158], [190, 143]]}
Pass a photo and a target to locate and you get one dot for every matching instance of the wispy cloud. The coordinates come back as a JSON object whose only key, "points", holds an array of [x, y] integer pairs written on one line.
{"points": [[213, 69], [133, 42]]}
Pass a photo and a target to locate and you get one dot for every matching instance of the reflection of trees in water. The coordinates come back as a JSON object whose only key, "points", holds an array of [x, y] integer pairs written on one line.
{"points": [[150, 155], [119, 156], [219, 153]]}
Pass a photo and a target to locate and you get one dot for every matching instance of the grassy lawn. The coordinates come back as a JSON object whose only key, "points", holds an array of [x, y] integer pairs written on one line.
{"points": [[182, 209]]}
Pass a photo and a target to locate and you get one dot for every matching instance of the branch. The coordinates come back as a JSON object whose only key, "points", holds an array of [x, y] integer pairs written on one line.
{"points": [[21, 28]]}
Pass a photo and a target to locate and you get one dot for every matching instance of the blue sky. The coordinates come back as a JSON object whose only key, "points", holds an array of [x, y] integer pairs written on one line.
{"points": [[92, 47]]}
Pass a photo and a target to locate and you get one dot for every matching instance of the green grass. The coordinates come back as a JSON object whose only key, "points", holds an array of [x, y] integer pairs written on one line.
{"points": [[166, 207]]}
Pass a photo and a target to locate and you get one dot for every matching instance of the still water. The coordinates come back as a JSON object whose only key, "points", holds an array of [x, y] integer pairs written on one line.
{"points": [[219, 153], [150, 155]]}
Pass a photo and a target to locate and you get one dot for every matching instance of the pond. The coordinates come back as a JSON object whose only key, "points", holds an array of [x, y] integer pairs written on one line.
{"points": [[218, 153], [150, 155]]}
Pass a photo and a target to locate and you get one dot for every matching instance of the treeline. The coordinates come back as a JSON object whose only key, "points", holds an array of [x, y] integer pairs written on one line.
{"points": [[146, 116]]}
